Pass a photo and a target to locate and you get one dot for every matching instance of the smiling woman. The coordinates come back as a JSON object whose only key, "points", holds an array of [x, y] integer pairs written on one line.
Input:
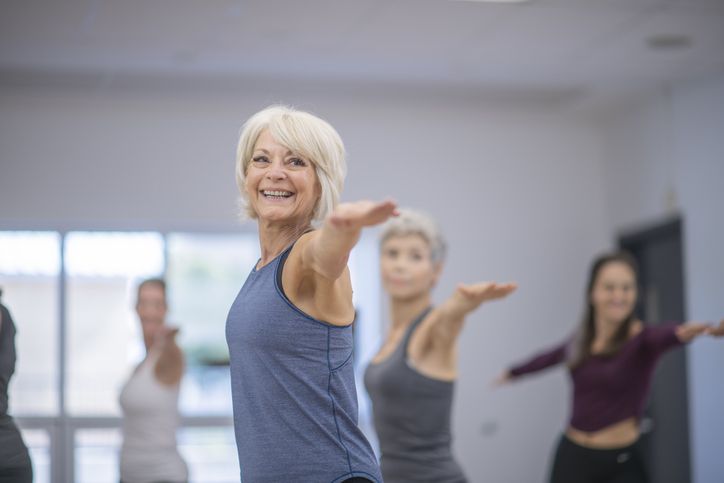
{"points": [[293, 138], [290, 328], [611, 361], [279, 181]]}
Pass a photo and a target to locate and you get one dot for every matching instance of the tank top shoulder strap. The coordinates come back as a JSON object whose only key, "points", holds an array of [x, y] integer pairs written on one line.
{"points": [[280, 265], [411, 329], [281, 260], [148, 364]]}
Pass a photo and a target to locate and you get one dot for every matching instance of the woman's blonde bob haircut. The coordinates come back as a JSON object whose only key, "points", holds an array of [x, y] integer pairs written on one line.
{"points": [[307, 136], [411, 222]]}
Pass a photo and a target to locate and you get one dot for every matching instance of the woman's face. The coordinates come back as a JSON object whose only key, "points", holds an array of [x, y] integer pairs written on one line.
{"points": [[614, 292], [406, 266], [280, 185], [151, 309]]}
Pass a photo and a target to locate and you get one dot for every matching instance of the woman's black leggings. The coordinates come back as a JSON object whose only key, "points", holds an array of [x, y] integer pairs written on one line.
{"points": [[576, 463]]}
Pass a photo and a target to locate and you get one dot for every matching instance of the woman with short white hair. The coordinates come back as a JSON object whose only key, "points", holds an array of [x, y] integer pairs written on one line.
{"points": [[289, 330]]}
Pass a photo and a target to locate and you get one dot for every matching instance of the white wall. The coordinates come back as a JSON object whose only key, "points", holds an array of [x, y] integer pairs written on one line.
{"points": [[517, 189], [666, 155]]}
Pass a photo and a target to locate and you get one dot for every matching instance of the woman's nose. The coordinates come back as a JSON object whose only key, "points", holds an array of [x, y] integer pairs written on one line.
{"points": [[276, 171], [398, 264]]}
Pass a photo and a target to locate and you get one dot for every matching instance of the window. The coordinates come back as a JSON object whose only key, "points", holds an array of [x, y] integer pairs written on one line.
{"points": [[96, 455], [104, 339], [29, 273], [205, 272], [38, 443], [210, 453]]}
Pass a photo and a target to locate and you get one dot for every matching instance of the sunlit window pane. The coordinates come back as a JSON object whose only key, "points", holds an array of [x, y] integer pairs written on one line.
{"points": [[104, 341], [29, 277], [38, 443], [210, 454], [29, 253], [205, 272], [97, 455], [114, 254]]}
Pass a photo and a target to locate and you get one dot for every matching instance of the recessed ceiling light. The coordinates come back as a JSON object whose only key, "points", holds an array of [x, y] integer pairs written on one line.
{"points": [[669, 42], [494, 1]]}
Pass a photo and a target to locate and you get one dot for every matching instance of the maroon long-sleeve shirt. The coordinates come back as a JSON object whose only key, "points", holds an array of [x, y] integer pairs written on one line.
{"points": [[608, 389]]}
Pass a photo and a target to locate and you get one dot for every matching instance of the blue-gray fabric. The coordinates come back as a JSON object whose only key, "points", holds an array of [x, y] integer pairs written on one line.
{"points": [[13, 452], [293, 389], [412, 419]]}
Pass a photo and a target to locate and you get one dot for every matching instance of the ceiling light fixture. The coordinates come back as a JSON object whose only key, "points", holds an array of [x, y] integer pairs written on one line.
{"points": [[493, 1], [669, 42]]}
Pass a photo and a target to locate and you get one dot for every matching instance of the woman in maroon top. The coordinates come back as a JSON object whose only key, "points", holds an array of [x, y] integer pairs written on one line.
{"points": [[611, 359]]}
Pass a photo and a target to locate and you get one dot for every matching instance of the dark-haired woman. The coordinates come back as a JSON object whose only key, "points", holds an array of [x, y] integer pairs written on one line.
{"points": [[611, 360]]}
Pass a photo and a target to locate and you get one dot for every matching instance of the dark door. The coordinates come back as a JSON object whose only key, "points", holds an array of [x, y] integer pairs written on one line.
{"points": [[659, 252]]}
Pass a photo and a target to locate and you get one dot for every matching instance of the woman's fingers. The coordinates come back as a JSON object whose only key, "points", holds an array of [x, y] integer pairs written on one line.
{"points": [[691, 330], [363, 213], [717, 331], [487, 290]]}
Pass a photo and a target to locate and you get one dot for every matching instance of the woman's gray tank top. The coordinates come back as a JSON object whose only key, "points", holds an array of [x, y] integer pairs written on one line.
{"points": [[293, 390], [412, 419]]}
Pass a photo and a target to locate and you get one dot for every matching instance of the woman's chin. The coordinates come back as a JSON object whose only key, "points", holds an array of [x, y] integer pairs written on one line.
{"points": [[617, 317], [275, 214], [405, 295]]}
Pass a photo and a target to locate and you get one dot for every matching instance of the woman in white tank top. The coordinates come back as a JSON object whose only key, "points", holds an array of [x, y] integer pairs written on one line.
{"points": [[149, 399]]}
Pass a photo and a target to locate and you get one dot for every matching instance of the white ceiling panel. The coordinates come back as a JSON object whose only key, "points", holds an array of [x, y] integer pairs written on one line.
{"points": [[560, 45]]}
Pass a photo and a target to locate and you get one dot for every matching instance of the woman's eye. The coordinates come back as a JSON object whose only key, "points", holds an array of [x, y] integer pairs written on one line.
{"points": [[297, 162], [260, 159]]}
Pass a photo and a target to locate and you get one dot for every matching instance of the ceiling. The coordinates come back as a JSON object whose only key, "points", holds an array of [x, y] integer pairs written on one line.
{"points": [[553, 46]]}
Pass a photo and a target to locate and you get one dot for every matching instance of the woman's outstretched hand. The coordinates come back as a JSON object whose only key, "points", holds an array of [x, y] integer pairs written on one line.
{"points": [[469, 297], [328, 251], [717, 330], [359, 214], [691, 330]]}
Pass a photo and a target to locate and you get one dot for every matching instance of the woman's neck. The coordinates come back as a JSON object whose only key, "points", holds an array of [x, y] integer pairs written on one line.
{"points": [[605, 330], [404, 311], [274, 237]]}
